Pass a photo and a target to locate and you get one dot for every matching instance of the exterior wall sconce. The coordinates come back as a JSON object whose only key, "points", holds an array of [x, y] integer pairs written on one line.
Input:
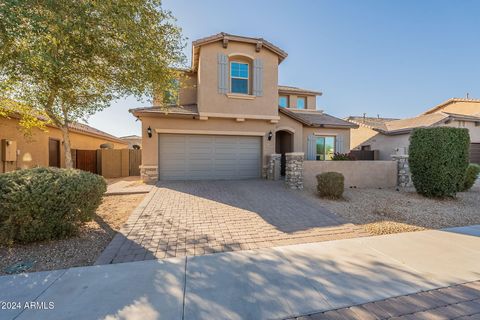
{"points": [[149, 132], [270, 135]]}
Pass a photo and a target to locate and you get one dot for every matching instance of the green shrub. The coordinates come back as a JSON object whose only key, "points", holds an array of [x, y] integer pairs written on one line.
{"points": [[46, 203], [471, 175], [337, 156], [330, 184], [438, 159]]}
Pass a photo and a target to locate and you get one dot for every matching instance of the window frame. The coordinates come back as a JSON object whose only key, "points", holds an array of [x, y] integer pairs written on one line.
{"points": [[286, 97], [243, 78], [324, 147], [304, 102]]}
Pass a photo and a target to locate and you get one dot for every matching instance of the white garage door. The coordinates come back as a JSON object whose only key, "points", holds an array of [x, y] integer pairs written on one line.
{"points": [[208, 157]]}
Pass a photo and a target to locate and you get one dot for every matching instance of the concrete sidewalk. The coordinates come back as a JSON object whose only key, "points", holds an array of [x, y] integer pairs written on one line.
{"points": [[272, 283]]}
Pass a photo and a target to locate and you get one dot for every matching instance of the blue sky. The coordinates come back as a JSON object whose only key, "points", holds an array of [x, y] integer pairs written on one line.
{"points": [[392, 58]]}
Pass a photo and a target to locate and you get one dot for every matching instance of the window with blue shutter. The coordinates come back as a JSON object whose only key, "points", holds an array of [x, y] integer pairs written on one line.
{"points": [[258, 77], [239, 77], [222, 73]]}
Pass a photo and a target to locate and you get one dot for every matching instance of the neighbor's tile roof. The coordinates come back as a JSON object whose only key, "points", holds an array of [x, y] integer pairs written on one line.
{"points": [[188, 109], [371, 122], [416, 122], [83, 128], [317, 119], [294, 90], [403, 126], [75, 127], [452, 100]]}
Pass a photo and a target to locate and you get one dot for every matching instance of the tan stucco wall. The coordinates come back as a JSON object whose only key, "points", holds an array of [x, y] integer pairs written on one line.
{"points": [[292, 101], [398, 144], [468, 108], [361, 174], [359, 135], [225, 126], [288, 124], [221, 126], [34, 150], [210, 101], [344, 133], [388, 145], [188, 89]]}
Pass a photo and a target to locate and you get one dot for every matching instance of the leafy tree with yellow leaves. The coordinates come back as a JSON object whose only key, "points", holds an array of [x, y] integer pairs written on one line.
{"points": [[70, 59]]}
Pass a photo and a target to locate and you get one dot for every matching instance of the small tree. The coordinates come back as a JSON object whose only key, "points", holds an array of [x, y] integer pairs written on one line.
{"points": [[438, 159], [69, 59]]}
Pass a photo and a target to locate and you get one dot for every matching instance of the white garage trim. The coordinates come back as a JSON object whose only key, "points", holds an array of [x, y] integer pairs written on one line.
{"points": [[211, 132]]}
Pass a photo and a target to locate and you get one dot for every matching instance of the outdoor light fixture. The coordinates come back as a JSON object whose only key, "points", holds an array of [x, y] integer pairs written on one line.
{"points": [[149, 132], [270, 135]]}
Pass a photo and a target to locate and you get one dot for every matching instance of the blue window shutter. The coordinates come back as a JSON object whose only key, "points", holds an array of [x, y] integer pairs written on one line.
{"points": [[339, 144], [222, 73], [311, 147], [258, 77]]}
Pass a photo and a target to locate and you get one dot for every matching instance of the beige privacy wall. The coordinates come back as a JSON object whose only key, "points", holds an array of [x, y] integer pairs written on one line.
{"points": [[361, 174]]}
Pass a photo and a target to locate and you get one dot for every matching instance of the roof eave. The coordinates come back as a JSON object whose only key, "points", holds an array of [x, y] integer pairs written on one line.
{"points": [[230, 37]]}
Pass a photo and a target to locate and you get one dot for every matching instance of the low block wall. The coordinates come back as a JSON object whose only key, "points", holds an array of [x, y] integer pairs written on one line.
{"points": [[361, 174]]}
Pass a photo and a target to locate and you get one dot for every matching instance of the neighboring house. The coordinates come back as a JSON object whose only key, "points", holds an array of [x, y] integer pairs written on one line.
{"points": [[391, 136], [132, 141], [44, 148], [232, 115]]}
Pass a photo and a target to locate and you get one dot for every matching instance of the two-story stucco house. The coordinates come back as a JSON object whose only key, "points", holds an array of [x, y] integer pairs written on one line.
{"points": [[232, 115], [391, 136]]}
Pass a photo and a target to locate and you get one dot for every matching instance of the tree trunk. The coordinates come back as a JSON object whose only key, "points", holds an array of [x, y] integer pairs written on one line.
{"points": [[66, 147]]}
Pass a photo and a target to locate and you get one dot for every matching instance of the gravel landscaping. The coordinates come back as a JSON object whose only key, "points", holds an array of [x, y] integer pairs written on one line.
{"points": [[384, 211], [81, 250]]}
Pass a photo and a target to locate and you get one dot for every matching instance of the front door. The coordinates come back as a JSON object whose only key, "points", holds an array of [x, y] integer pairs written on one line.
{"points": [[54, 153]]}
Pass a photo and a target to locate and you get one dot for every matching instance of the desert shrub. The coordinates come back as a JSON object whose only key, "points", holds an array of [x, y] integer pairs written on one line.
{"points": [[330, 184], [438, 159], [46, 203], [471, 175], [337, 156]]}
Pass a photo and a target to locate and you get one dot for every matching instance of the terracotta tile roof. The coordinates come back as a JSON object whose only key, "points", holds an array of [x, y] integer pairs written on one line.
{"points": [[188, 109], [316, 118], [452, 100], [290, 89], [77, 127], [83, 128], [403, 126], [416, 122], [371, 122], [223, 36]]}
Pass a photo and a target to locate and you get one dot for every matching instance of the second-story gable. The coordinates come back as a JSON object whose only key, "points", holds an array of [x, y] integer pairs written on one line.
{"points": [[236, 76]]}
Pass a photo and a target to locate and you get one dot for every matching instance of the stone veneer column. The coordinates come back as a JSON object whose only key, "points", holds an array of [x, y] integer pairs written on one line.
{"points": [[273, 169], [149, 174], [294, 170], [404, 177]]}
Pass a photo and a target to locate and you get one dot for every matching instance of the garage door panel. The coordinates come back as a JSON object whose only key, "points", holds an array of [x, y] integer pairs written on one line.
{"points": [[205, 157]]}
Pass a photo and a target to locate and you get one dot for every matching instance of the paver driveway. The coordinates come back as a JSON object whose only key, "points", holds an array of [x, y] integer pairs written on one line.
{"points": [[200, 217]]}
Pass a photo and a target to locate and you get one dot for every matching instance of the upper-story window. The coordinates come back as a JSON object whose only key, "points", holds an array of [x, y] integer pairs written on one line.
{"points": [[283, 101], [301, 102], [239, 77]]}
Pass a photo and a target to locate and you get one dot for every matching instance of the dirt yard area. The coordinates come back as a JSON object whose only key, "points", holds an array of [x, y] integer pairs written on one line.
{"points": [[384, 211], [81, 250]]}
